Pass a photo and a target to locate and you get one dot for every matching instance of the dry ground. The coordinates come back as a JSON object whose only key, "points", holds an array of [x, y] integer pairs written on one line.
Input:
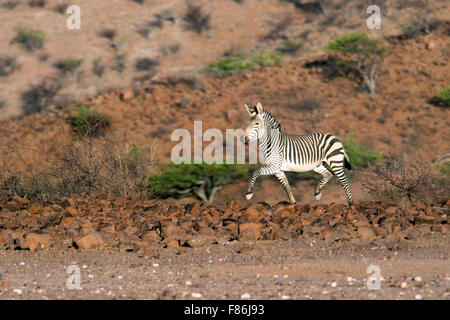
{"points": [[297, 269]]}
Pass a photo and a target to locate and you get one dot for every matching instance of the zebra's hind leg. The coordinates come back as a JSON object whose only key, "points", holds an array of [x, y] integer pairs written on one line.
{"points": [[285, 183], [326, 176], [339, 172]]}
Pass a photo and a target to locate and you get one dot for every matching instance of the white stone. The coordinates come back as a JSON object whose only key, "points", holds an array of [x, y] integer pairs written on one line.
{"points": [[245, 296]]}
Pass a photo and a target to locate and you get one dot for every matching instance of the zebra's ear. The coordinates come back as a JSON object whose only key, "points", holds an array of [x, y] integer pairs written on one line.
{"points": [[250, 111], [259, 108]]}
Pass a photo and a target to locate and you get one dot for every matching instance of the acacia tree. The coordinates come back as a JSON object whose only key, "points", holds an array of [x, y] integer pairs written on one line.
{"points": [[362, 54], [200, 180]]}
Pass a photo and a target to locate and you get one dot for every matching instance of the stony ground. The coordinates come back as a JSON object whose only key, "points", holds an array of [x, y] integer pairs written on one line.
{"points": [[296, 269], [160, 250]]}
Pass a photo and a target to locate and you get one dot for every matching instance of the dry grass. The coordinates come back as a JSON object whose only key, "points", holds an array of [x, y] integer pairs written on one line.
{"points": [[407, 179], [89, 167]]}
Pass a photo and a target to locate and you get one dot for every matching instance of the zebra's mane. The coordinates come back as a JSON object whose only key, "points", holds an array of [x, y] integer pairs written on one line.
{"points": [[272, 120]]}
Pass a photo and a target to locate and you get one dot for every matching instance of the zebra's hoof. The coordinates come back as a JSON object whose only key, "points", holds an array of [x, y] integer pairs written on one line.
{"points": [[249, 196], [318, 196]]}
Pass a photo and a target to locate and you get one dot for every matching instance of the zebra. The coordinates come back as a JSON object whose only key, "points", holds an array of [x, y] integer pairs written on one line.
{"points": [[320, 152]]}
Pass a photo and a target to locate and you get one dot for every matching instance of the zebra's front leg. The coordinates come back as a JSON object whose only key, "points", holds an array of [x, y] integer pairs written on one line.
{"points": [[251, 184], [263, 171], [285, 183]]}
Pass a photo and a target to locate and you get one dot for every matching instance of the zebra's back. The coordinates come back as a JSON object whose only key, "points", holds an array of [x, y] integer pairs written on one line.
{"points": [[307, 151]]}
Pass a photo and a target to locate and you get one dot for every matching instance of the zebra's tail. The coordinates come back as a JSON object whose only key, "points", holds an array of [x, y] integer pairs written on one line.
{"points": [[347, 164]]}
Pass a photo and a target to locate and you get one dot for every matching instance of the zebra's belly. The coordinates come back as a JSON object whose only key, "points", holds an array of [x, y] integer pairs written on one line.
{"points": [[295, 167]]}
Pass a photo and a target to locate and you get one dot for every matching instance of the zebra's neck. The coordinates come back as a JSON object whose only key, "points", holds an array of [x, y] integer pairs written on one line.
{"points": [[269, 142]]}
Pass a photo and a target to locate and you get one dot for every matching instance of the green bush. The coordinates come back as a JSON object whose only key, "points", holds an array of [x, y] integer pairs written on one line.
{"points": [[200, 180], [70, 65], [363, 54], [442, 174], [360, 156], [87, 121], [31, 40], [239, 62], [291, 46], [442, 98], [268, 58]]}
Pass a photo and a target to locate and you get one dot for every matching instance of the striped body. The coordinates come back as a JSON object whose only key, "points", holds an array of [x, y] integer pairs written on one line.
{"points": [[320, 152]]}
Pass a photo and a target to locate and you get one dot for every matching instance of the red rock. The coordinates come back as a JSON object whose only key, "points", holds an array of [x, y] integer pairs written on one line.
{"points": [[249, 231], [91, 241], [71, 211], [151, 236], [87, 228], [281, 234], [431, 45], [4, 239], [172, 243], [283, 211], [366, 233], [170, 228], [33, 241], [196, 242], [413, 234], [67, 202], [67, 221], [391, 210], [253, 213], [16, 203], [381, 231], [426, 219], [206, 231]]}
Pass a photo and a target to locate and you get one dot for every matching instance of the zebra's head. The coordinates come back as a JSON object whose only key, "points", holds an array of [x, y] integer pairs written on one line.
{"points": [[260, 122]]}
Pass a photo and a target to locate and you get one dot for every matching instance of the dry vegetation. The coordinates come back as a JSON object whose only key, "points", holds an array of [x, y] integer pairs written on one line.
{"points": [[89, 167], [407, 179]]}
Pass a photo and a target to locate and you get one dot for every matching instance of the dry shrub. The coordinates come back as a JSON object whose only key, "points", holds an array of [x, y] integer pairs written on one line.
{"points": [[279, 27], [9, 4], [408, 179], [7, 65], [40, 96], [89, 167], [61, 8], [37, 3], [108, 33], [196, 19]]}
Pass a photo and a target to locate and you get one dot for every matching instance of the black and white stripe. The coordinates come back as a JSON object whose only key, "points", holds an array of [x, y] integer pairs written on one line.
{"points": [[320, 151]]}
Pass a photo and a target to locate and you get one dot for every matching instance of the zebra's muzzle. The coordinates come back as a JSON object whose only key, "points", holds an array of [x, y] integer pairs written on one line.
{"points": [[244, 139]]}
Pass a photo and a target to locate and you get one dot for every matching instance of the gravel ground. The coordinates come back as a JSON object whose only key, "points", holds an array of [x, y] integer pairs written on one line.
{"points": [[295, 269]]}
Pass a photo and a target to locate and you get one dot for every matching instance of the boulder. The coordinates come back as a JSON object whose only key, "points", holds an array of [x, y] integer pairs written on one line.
{"points": [[366, 233], [249, 231], [33, 241], [92, 240]]}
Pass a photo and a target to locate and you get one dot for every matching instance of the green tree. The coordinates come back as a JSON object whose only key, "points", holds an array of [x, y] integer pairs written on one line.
{"points": [[31, 40], [200, 180], [363, 54], [70, 65]]}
